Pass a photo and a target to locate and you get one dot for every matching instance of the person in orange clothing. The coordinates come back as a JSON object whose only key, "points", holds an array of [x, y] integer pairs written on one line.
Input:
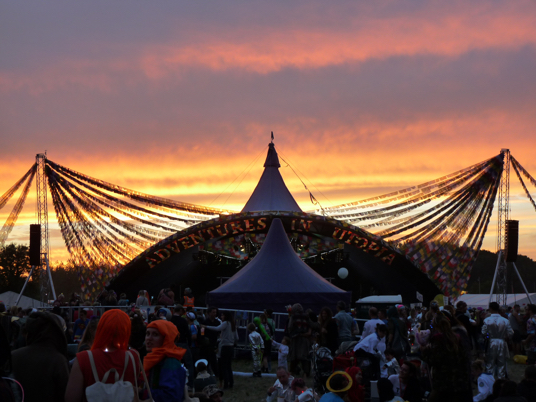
{"points": [[109, 350], [189, 299], [166, 374]]}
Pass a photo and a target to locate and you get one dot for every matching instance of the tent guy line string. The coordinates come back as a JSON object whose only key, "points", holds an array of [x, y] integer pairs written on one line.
{"points": [[306, 178], [314, 201], [248, 168]]}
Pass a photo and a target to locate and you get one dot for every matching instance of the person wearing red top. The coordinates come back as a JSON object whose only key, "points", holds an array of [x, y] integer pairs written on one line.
{"points": [[108, 350], [357, 392]]}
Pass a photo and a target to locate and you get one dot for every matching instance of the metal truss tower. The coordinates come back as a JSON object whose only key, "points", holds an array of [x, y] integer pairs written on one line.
{"points": [[47, 286], [504, 214]]}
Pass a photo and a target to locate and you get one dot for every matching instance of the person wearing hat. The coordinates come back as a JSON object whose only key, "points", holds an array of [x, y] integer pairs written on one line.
{"points": [[164, 314], [204, 378], [214, 393], [166, 375], [338, 383]]}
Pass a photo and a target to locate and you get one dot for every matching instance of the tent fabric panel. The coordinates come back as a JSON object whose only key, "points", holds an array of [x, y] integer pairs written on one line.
{"points": [[271, 194], [277, 268]]}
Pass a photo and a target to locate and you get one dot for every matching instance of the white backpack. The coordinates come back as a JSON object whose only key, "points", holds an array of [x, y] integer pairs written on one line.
{"points": [[119, 391]]}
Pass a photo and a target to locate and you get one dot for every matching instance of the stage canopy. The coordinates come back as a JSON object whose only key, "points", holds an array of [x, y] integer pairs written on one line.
{"points": [[202, 256], [275, 278]]}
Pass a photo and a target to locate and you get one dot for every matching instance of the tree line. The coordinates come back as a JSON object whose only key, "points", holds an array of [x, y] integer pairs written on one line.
{"points": [[15, 267]]}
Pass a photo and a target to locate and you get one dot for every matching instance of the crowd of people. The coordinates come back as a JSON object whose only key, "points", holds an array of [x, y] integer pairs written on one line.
{"points": [[175, 352], [440, 352]]}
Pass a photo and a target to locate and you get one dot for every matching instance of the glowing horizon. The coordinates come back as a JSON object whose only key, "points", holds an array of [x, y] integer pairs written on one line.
{"points": [[178, 99]]}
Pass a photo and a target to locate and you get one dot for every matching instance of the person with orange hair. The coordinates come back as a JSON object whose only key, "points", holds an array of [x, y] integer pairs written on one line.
{"points": [[166, 374], [109, 351]]}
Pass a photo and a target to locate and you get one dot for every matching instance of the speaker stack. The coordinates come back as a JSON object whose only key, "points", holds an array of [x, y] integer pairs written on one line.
{"points": [[511, 240], [35, 245]]}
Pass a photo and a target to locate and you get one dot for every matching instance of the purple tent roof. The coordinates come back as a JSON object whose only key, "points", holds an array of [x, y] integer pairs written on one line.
{"points": [[271, 193], [275, 278]]}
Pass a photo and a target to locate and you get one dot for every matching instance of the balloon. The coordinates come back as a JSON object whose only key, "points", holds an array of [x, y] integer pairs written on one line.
{"points": [[343, 273]]}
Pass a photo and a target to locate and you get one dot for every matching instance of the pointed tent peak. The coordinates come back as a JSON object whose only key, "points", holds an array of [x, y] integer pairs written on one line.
{"points": [[271, 193], [272, 159]]}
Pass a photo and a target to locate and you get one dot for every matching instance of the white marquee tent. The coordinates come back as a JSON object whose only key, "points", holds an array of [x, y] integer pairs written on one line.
{"points": [[9, 298], [482, 300]]}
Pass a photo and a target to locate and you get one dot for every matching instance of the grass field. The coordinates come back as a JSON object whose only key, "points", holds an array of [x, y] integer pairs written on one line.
{"points": [[249, 389]]}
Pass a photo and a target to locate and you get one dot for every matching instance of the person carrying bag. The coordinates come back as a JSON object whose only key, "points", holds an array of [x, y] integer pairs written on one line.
{"points": [[109, 371]]}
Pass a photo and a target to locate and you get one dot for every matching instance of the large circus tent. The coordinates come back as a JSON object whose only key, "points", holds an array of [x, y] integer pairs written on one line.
{"points": [[417, 242]]}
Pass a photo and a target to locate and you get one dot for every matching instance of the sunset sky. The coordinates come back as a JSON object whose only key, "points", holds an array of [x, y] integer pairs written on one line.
{"points": [[178, 98]]}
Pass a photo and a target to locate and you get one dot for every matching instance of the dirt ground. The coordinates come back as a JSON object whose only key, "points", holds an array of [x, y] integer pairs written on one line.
{"points": [[249, 389]]}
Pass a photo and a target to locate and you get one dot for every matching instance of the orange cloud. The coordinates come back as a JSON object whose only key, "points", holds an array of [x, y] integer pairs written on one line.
{"points": [[353, 34], [266, 50]]}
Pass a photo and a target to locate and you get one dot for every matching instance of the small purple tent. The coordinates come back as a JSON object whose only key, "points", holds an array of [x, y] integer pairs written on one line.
{"points": [[275, 278]]}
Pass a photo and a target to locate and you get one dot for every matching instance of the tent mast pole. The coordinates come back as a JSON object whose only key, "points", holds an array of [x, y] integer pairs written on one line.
{"points": [[523, 283], [499, 258], [24, 287]]}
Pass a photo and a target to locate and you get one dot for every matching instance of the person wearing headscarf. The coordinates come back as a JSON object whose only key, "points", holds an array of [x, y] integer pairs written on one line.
{"points": [[42, 367], [357, 392], [109, 351], [166, 374]]}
